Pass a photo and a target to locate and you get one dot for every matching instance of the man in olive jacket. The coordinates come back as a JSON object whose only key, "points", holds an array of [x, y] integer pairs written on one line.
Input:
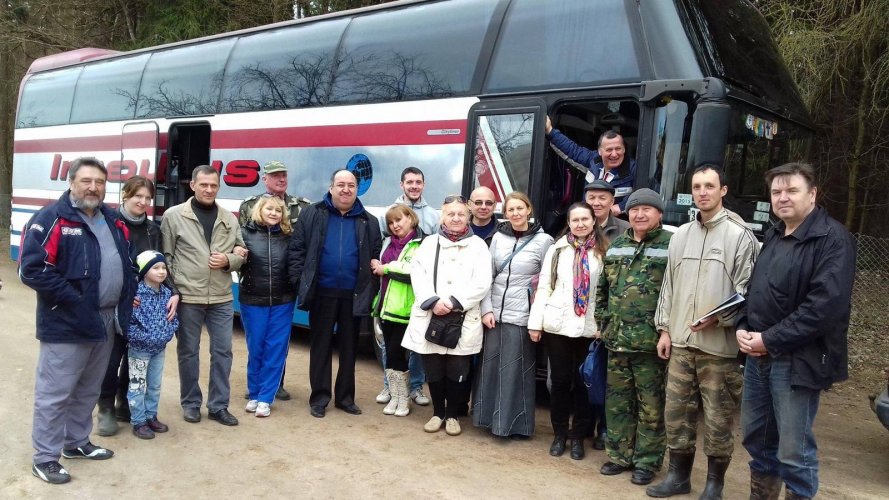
{"points": [[626, 298], [793, 331], [200, 239], [334, 243]]}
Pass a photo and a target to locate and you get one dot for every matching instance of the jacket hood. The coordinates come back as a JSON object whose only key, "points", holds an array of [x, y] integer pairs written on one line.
{"points": [[356, 210], [421, 203]]}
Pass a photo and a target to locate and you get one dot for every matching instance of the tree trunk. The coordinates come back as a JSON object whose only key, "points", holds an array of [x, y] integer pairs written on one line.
{"points": [[864, 106]]}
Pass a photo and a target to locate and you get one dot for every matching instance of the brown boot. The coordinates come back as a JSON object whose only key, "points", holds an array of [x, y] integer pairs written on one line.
{"points": [[764, 486]]}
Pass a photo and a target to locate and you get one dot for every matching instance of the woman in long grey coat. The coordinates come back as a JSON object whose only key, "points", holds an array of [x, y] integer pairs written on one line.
{"points": [[504, 395]]}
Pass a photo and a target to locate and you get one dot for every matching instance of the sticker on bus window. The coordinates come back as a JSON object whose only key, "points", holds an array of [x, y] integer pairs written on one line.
{"points": [[683, 199], [692, 214], [761, 216], [754, 226], [761, 127], [763, 206]]}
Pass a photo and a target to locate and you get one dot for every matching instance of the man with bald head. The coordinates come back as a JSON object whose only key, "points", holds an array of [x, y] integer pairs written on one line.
{"points": [[334, 242], [481, 204]]}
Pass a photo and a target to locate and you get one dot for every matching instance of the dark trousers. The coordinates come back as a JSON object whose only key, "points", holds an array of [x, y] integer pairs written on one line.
{"points": [[568, 394], [447, 377], [117, 375], [396, 356], [325, 314]]}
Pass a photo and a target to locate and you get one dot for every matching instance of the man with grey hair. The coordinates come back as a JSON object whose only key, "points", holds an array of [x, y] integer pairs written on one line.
{"points": [[202, 243], [77, 257]]}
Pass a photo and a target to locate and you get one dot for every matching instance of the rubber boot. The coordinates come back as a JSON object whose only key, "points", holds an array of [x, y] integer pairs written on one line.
{"points": [[107, 421], [716, 467], [404, 400], [764, 486], [392, 379], [678, 480]]}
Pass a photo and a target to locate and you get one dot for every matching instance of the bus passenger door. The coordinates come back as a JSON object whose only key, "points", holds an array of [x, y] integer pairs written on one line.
{"points": [[504, 153], [138, 156], [188, 146]]}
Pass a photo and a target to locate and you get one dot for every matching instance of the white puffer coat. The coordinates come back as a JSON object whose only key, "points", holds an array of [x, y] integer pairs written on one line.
{"points": [[513, 287], [464, 273], [553, 308]]}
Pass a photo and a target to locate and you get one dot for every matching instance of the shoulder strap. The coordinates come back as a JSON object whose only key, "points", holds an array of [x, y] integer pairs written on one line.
{"points": [[506, 262], [554, 269], [435, 267]]}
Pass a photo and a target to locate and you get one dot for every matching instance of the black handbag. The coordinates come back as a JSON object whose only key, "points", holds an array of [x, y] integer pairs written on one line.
{"points": [[444, 330]]}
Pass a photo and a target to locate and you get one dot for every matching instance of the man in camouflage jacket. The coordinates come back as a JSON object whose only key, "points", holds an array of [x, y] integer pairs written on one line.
{"points": [[626, 300]]}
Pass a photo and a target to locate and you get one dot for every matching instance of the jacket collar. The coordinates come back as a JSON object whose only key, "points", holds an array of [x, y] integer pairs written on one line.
{"points": [[654, 233], [505, 227], [67, 209], [718, 218], [356, 210], [815, 225], [421, 203], [187, 210]]}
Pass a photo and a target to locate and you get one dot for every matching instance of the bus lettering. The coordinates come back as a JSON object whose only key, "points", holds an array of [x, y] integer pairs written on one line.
{"points": [[240, 173]]}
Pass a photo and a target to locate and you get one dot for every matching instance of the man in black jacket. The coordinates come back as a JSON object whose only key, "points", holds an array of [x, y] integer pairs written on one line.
{"points": [[793, 331], [334, 242]]}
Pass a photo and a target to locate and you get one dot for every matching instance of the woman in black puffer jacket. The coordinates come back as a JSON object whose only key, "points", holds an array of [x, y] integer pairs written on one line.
{"points": [[267, 300]]}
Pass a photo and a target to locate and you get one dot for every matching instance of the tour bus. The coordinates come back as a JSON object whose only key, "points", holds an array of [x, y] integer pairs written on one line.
{"points": [[459, 88]]}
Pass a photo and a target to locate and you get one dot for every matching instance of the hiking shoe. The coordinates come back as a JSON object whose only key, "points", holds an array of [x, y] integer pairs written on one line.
{"points": [[263, 410], [251, 406], [52, 472], [90, 451], [142, 431], [157, 426], [384, 396], [452, 427], [419, 398]]}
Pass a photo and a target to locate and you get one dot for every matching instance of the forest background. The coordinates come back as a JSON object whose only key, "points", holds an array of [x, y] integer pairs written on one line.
{"points": [[837, 51]]}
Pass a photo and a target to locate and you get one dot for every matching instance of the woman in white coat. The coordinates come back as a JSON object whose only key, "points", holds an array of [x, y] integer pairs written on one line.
{"points": [[563, 309], [462, 279]]}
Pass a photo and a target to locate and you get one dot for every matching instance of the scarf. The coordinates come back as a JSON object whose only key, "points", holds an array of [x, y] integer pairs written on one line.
{"points": [[581, 272], [467, 232], [132, 219]]}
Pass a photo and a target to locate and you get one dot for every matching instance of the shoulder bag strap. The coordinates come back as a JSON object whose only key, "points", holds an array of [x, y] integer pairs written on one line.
{"points": [[506, 262]]}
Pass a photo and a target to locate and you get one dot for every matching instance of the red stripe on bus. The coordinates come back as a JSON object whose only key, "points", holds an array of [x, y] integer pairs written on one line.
{"points": [[372, 134]]}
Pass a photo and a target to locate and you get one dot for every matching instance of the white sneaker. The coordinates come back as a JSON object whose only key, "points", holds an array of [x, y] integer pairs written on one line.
{"points": [[251, 406], [263, 410], [452, 427], [384, 396], [433, 425], [419, 398]]}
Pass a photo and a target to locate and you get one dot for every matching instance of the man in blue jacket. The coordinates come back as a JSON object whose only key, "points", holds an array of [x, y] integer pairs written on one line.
{"points": [[77, 257], [793, 331], [334, 242], [608, 162]]}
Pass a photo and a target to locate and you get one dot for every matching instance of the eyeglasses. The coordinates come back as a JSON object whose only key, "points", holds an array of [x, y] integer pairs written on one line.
{"points": [[487, 203], [454, 197]]}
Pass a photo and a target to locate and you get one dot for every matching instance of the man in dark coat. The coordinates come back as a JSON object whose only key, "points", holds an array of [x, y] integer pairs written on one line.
{"points": [[793, 332], [77, 256], [334, 242]]}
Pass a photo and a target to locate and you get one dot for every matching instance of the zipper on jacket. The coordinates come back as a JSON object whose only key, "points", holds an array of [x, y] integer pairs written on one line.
{"points": [[269, 241], [694, 300], [506, 287]]}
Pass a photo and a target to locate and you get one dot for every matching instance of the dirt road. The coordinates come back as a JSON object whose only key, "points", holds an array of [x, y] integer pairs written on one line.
{"points": [[291, 454]]}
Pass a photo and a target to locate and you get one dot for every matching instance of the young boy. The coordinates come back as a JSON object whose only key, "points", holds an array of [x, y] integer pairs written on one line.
{"points": [[149, 333]]}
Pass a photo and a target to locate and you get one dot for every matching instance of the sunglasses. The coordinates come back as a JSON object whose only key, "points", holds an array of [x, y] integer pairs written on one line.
{"points": [[487, 203], [454, 197]]}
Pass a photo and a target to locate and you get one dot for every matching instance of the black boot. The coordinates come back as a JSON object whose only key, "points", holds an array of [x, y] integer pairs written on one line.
{"points": [[558, 446], [716, 467], [764, 486], [678, 480]]}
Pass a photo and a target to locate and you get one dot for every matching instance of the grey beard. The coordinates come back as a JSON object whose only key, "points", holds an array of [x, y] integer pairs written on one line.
{"points": [[86, 204]]}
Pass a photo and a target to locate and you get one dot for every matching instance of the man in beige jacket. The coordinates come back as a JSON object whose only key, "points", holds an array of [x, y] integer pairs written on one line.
{"points": [[709, 260], [203, 245]]}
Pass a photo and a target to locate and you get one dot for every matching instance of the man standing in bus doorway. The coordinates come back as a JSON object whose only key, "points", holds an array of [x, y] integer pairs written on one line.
{"points": [[793, 331], [334, 243], [626, 300], [481, 205], [710, 259], [609, 162], [274, 176], [202, 243], [76, 256], [599, 194], [413, 182]]}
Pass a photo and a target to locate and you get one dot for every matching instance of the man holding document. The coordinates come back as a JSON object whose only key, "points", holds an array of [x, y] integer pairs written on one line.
{"points": [[710, 260]]}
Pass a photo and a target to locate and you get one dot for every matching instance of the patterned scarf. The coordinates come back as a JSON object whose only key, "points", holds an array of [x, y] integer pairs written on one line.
{"points": [[467, 232], [581, 272]]}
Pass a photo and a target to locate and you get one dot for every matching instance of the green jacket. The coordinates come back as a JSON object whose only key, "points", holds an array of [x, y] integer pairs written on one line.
{"points": [[399, 296], [629, 286]]}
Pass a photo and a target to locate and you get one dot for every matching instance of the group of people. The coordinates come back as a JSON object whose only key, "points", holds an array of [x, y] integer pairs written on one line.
{"points": [[462, 300]]}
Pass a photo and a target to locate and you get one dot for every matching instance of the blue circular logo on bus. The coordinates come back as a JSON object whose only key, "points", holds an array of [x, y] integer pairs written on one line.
{"points": [[360, 166]]}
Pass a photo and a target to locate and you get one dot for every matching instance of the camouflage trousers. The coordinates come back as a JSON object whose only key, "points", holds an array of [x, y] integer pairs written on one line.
{"points": [[695, 381], [634, 410]]}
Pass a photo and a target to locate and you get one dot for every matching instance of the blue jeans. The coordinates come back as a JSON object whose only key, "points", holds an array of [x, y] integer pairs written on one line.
{"points": [[144, 389], [777, 420], [267, 329], [414, 365]]}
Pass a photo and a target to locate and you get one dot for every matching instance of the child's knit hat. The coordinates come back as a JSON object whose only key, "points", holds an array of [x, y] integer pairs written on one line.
{"points": [[146, 260]]}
